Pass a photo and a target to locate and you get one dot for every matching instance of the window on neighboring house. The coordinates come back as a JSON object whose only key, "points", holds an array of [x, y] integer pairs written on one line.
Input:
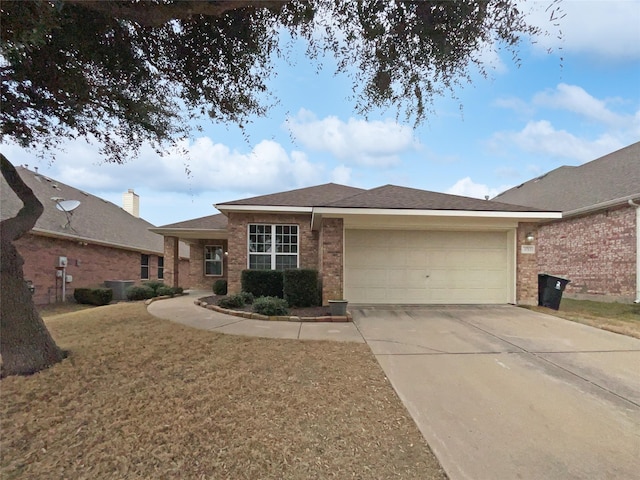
{"points": [[160, 268], [144, 266], [273, 247], [213, 260]]}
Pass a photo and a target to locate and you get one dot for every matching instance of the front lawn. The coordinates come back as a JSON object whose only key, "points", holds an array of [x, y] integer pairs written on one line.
{"points": [[616, 317], [143, 398]]}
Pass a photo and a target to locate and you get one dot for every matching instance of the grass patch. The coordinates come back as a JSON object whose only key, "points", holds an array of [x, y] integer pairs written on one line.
{"points": [[142, 398], [616, 317]]}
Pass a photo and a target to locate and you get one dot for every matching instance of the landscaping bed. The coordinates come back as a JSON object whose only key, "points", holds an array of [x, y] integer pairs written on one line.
{"points": [[308, 312]]}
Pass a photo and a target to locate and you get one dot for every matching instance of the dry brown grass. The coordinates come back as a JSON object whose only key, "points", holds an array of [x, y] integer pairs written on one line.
{"points": [[615, 317], [145, 398]]}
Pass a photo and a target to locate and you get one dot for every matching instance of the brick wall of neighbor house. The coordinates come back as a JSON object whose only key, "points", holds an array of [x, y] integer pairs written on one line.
{"points": [[237, 227], [331, 259], [526, 266], [596, 252], [89, 265], [197, 278]]}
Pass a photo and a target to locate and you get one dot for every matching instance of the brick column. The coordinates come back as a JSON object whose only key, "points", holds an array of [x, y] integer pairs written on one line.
{"points": [[331, 259], [526, 266], [172, 260]]}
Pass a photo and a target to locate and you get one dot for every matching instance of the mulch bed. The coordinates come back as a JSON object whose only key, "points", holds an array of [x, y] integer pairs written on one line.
{"points": [[297, 312]]}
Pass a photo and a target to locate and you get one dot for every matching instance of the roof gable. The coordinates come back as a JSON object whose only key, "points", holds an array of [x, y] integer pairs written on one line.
{"points": [[608, 178], [95, 219], [395, 197]]}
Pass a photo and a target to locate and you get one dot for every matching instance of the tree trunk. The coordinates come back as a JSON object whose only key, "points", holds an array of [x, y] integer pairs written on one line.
{"points": [[26, 346]]}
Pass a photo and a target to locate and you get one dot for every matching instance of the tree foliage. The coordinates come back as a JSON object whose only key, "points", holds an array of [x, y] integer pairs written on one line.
{"points": [[125, 72], [122, 73]]}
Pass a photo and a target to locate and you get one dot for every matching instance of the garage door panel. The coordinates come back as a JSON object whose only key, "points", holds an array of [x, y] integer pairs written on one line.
{"points": [[423, 267]]}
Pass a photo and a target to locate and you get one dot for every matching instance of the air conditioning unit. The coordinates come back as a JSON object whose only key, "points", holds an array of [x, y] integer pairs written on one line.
{"points": [[62, 262]]}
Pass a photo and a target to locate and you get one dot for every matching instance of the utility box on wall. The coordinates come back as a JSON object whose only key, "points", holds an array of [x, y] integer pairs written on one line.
{"points": [[62, 262]]}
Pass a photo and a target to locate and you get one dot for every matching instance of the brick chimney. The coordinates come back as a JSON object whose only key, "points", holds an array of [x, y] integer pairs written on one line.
{"points": [[131, 203]]}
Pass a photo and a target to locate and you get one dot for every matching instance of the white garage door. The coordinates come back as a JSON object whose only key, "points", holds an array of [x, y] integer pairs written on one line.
{"points": [[426, 267]]}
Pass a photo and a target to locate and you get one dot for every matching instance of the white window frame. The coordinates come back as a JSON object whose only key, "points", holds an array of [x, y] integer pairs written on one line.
{"points": [[273, 253], [205, 261]]}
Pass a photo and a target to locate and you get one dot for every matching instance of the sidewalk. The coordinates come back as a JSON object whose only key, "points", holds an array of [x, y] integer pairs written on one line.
{"points": [[183, 310]]}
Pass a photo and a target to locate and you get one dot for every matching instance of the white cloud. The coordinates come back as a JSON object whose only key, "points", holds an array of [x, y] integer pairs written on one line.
{"points": [[606, 30], [268, 167], [341, 175], [575, 99], [541, 138], [466, 187], [371, 144]]}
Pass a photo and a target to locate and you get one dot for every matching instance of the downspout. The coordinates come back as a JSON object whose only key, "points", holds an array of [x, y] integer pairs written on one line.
{"points": [[633, 204]]}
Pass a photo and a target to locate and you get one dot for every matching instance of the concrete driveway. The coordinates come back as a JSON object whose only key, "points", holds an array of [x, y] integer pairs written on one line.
{"points": [[506, 393]]}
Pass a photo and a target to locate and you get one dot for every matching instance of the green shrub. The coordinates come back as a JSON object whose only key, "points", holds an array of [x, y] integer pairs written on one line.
{"points": [[220, 287], [232, 301], [93, 296], [139, 292], [247, 297], [154, 285], [270, 306], [262, 283], [301, 287], [164, 290], [179, 290]]}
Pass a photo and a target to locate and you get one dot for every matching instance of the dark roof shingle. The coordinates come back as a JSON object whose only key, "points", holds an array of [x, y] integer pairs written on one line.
{"points": [[95, 218], [210, 222], [302, 197], [395, 197], [567, 188]]}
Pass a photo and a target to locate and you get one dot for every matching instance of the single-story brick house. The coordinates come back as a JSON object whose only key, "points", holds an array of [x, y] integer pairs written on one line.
{"points": [[596, 244], [96, 242], [391, 245]]}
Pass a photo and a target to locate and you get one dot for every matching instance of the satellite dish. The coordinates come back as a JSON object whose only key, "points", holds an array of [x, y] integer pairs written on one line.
{"points": [[67, 205]]}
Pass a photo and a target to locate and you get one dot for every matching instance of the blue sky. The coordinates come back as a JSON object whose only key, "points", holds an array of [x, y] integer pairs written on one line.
{"points": [[567, 107]]}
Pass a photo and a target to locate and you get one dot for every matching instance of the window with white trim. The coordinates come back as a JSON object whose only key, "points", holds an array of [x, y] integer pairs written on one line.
{"points": [[213, 255], [273, 247]]}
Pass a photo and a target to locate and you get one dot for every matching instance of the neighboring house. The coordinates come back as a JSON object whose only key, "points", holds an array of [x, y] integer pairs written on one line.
{"points": [[596, 244], [95, 242], [390, 244]]}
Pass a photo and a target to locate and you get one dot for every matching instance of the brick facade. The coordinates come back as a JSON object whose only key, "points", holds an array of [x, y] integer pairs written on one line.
{"points": [[176, 269], [89, 265], [526, 266], [237, 228], [331, 259], [597, 252], [197, 278]]}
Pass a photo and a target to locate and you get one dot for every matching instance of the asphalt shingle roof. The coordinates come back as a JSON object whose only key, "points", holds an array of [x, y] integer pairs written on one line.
{"points": [[395, 197], [210, 222], [95, 218], [302, 197], [614, 176]]}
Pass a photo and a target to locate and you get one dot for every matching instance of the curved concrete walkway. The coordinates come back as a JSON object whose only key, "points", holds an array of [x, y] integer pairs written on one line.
{"points": [[183, 310]]}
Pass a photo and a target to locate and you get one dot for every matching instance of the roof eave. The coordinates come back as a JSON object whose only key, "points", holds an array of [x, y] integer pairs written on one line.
{"points": [[93, 241], [192, 233], [525, 215], [263, 208], [601, 206]]}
